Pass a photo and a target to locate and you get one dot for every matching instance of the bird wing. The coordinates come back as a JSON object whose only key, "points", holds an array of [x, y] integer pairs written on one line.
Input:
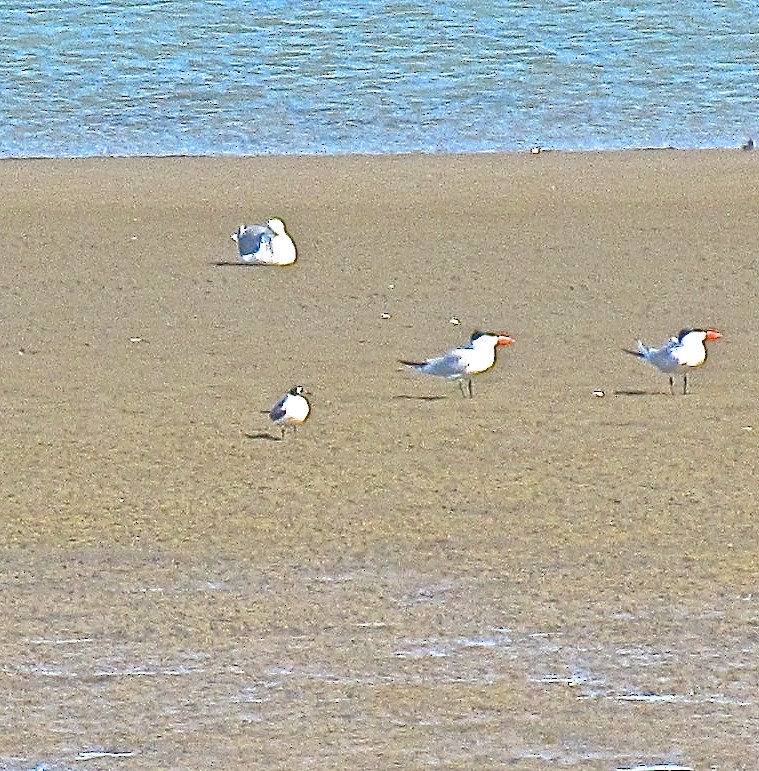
{"points": [[253, 238], [664, 358], [450, 364], [640, 354], [278, 411]]}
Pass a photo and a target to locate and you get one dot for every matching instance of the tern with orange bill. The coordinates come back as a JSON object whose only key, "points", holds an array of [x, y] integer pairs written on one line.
{"points": [[680, 353], [473, 358]]}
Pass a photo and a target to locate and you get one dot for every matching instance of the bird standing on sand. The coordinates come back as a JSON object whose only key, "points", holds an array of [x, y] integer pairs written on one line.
{"points": [[461, 363], [267, 244], [291, 410], [678, 354]]}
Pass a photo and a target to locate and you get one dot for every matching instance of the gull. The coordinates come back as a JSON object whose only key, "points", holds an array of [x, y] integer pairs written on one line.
{"points": [[291, 410], [267, 244]]}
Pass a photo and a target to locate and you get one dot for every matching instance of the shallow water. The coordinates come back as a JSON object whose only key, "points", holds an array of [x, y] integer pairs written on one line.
{"points": [[160, 78], [390, 688]]}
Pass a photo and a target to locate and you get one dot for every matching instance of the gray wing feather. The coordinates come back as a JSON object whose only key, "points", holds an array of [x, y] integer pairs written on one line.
{"points": [[251, 239], [278, 412]]}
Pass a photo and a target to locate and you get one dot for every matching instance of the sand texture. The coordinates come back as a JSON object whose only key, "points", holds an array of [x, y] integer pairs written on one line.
{"points": [[536, 577]]}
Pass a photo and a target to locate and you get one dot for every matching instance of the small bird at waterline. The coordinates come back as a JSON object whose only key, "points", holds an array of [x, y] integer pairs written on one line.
{"points": [[292, 410], [680, 353], [267, 244], [473, 358]]}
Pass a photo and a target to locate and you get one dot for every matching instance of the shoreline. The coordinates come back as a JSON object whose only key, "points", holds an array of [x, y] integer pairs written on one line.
{"points": [[410, 153]]}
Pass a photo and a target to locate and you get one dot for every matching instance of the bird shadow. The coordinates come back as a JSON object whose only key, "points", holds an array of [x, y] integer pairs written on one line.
{"points": [[420, 398], [235, 264], [635, 392], [264, 435], [241, 264]]}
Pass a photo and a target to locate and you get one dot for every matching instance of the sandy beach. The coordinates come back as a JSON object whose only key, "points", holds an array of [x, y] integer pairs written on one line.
{"points": [[532, 578]]}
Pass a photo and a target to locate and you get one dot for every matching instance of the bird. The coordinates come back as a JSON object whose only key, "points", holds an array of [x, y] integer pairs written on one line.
{"points": [[685, 350], [267, 244], [472, 358], [292, 410]]}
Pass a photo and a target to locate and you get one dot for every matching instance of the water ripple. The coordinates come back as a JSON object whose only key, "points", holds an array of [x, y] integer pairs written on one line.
{"points": [[206, 78]]}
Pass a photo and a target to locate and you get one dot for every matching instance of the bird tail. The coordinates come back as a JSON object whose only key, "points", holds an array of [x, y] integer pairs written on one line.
{"points": [[412, 363], [640, 352]]}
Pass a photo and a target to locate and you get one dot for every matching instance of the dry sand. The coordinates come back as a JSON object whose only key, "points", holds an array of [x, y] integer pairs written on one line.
{"points": [[536, 577]]}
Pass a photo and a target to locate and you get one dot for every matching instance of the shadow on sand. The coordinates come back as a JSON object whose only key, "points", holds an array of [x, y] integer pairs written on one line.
{"points": [[420, 398], [264, 435], [241, 264]]}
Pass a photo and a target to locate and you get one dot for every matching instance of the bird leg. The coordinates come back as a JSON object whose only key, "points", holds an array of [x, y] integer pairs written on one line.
{"points": [[466, 387], [672, 384], [685, 383]]}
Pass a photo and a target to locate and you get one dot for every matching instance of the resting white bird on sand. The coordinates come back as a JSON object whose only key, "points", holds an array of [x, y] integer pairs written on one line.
{"points": [[267, 244]]}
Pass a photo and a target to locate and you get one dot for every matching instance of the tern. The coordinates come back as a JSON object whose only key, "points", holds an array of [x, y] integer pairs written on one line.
{"points": [[681, 352], [267, 244], [476, 356], [291, 410]]}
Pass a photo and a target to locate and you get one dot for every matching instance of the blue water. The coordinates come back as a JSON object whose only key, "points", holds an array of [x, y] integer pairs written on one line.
{"points": [[279, 76]]}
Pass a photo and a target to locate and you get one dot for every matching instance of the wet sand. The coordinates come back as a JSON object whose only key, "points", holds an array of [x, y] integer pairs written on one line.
{"points": [[535, 577]]}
